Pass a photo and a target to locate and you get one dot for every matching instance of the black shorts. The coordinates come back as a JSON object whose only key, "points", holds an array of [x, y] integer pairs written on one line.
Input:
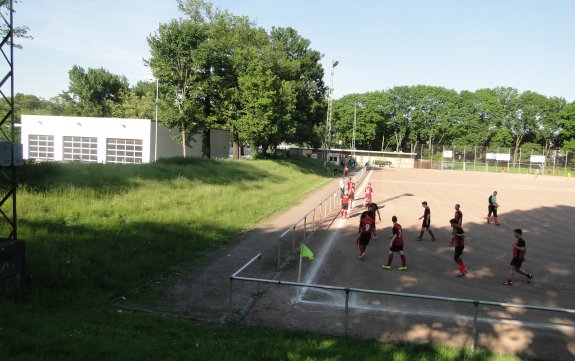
{"points": [[516, 262], [426, 224], [345, 206], [458, 250], [395, 248], [351, 197], [364, 239]]}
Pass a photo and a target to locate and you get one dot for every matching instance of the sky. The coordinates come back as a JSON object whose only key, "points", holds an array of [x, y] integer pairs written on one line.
{"points": [[380, 44]]}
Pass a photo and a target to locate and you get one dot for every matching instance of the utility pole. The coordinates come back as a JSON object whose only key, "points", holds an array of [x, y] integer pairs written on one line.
{"points": [[327, 144]]}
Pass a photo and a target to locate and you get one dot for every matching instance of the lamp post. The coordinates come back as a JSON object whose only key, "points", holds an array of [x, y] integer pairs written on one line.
{"points": [[327, 145], [156, 132], [355, 105]]}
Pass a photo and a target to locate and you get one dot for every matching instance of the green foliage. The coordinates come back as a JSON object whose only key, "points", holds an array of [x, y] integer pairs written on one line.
{"points": [[91, 92], [95, 231], [410, 116]]}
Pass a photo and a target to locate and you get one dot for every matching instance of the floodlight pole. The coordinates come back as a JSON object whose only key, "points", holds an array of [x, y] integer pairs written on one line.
{"points": [[156, 125], [327, 144], [156, 133], [354, 122]]}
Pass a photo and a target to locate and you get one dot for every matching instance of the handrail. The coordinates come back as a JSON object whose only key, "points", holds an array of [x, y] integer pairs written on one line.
{"points": [[348, 290]]}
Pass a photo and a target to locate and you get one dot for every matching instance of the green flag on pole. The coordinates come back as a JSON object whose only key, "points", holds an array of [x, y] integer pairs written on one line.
{"points": [[306, 252]]}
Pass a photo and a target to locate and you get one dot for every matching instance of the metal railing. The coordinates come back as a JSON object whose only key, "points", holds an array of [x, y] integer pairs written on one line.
{"points": [[349, 290], [309, 223]]}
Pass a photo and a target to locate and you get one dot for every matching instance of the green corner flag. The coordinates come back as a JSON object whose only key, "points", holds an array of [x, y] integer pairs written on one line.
{"points": [[306, 252]]}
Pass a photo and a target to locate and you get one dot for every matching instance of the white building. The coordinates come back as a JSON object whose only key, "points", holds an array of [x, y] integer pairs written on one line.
{"points": [[108, 140]]}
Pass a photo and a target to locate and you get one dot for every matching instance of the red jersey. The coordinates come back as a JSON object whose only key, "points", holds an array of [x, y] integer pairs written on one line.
{"points": [[458, 216], [367, 225], [349, 184], [368, 192], [345, 199], [520, 242], [457, 240], [351, 191], [398, 232]]}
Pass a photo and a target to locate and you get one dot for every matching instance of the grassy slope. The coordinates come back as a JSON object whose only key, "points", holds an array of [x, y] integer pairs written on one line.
{"points": [[95, 231]]}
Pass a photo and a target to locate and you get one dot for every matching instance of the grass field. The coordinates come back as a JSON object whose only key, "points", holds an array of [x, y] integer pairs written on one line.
{"points": [[95, 231]]}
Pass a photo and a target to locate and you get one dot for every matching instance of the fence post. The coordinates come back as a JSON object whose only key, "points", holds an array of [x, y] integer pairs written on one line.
{"points": [[293, 240], [520, 160], [464, 159], [474, 336], [313, 221], [304, 227], [346, 311], [566, 159]]}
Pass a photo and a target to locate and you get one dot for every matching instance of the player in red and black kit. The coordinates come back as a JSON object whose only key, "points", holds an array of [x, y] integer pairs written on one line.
{"points": [[458, 216], [519, 250], [368, 194], [344, 205], [396, 245], [351, 196], [366, 232], [458, 237], [426, 222], [375, 209]]}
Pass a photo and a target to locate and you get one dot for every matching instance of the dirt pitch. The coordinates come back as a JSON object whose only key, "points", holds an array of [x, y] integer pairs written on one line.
{"points": [[542, 207]]}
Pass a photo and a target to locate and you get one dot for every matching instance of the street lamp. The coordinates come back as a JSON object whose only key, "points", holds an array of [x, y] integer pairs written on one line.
{"points": [[355, 105], [327, 146], [156, 133]]}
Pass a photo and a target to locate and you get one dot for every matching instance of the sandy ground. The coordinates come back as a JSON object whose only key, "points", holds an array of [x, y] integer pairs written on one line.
{"points": [[542, 207]]}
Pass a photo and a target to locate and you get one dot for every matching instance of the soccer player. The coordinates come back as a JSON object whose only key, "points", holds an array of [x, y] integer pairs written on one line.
{"points": [[345, 171], [366, 232], [342, 186], [344, 205], [368, 194], [396, 245], [351, 196], [492, 208], [519, 249], [458, 239], [459, 217], [426, 224], [375, 209]]}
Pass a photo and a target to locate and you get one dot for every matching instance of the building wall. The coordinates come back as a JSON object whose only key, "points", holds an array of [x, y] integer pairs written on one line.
{"points": [[102, 129]]}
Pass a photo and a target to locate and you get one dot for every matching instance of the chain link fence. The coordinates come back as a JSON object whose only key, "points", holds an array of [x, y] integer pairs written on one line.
{"points": [[495, 159]]}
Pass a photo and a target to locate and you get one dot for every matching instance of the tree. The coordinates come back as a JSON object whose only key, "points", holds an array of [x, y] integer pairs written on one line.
{"points": [[19, 32], [136, 103], [91, 92], [567, 121], [176, 63]]}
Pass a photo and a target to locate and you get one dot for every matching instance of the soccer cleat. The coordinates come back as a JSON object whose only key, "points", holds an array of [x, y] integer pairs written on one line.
{"points": [[461, 274], [418, 239], [402, 268], [507, 283], [386, 267], [433, 239], [529, 278]]}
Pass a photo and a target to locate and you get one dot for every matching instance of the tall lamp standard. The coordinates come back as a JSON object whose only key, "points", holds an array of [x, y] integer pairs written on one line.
{"points": [[156, 132], [329, 115], [355, 105]]}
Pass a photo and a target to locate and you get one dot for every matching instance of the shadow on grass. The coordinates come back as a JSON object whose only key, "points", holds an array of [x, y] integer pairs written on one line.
{"points": [[117, 179]]}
